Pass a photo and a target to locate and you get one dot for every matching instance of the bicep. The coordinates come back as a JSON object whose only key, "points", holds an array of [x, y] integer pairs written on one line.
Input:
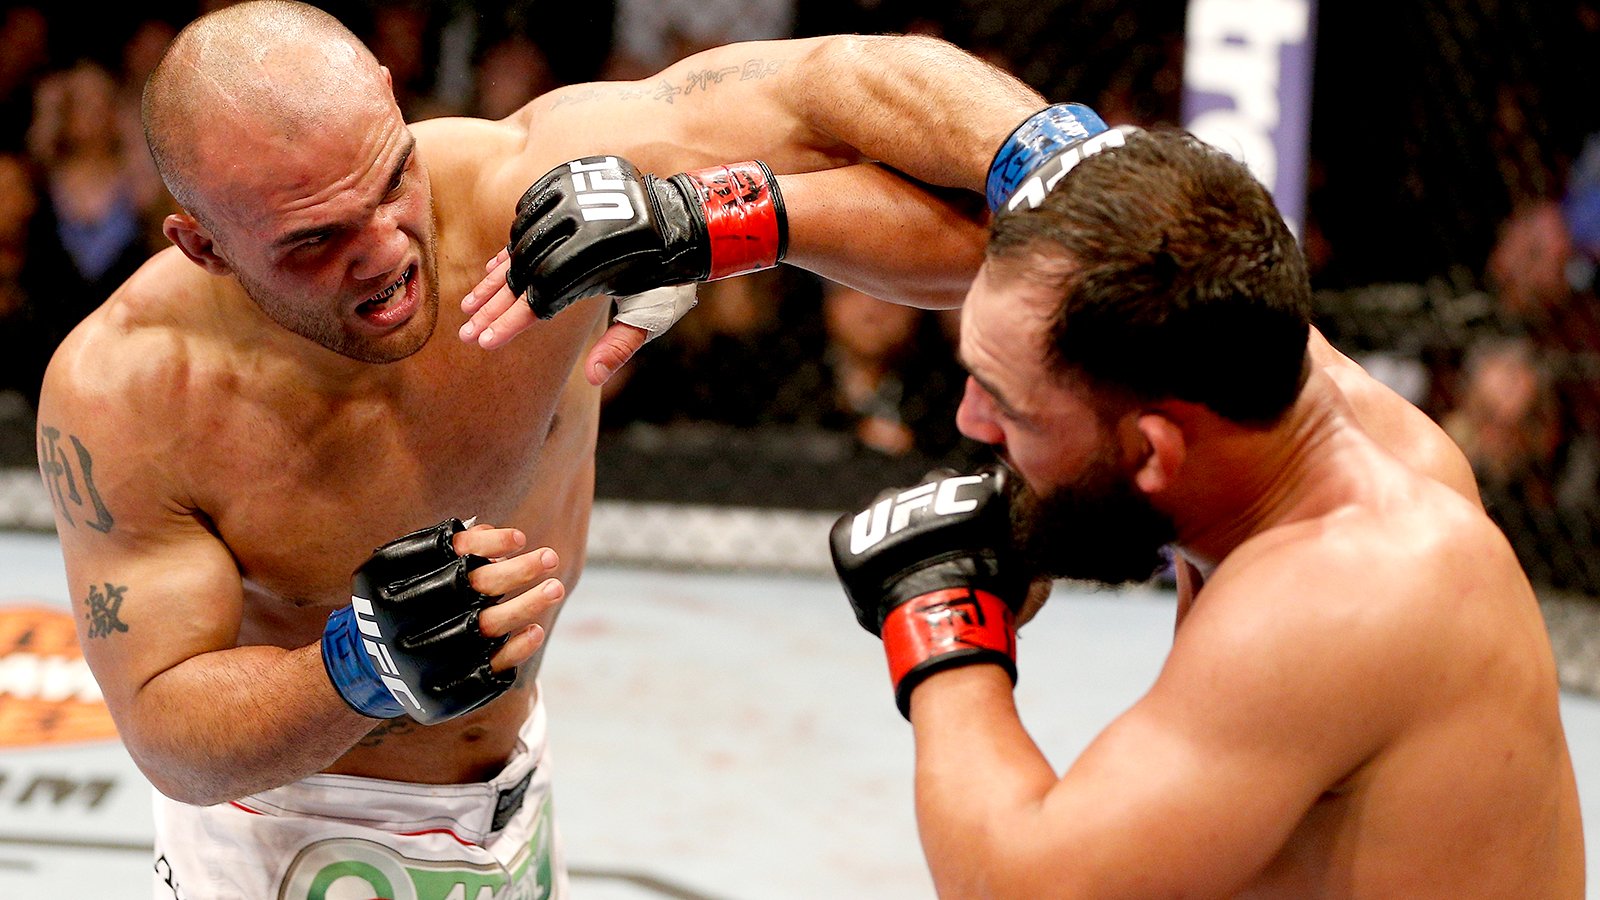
{"points": [[1201, 783], [150, 586]]}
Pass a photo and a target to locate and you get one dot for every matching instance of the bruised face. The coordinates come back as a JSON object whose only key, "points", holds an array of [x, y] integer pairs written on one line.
{"points": [[329, 227], [1080, 513]]}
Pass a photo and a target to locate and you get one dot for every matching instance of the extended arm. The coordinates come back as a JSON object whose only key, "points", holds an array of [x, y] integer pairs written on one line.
{"points": [[836, 120]]}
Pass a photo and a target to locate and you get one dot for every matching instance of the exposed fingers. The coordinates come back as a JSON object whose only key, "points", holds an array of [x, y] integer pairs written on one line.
{"points": [[489, 541], [496, 306], [518, 649], [510, 323], [497, 260], [613, 350], [494, 280], [522, 610], [513, 573]]}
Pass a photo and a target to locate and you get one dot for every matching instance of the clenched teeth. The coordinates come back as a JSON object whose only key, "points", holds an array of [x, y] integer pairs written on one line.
{"points": [[388, 292]]}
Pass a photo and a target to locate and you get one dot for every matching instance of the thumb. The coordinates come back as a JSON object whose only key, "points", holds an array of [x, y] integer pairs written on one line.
{"points": [[613, 350]]}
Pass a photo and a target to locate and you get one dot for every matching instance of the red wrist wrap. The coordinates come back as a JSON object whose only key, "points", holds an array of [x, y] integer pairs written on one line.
{"points": [[945, 622], [744, 217]]}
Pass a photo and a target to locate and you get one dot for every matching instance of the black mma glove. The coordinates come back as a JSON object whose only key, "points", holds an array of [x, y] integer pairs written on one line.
{"points": [[932, 569], [408, 643], [597, 226]]}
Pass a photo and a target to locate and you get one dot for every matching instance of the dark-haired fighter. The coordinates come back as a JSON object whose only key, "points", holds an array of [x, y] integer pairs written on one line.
{"points": [[1361, 699]]}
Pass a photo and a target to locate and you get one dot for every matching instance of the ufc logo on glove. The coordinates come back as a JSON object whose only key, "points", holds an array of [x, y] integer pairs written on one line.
{"points": [[598, 185], [892, 514], [372, 640]]}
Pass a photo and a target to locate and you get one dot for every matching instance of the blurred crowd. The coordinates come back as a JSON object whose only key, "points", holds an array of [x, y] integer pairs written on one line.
{"points": [[1453, 140]]}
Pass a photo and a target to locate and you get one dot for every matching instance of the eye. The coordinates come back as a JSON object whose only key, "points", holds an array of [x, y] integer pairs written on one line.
{"points": [[396, 188]]}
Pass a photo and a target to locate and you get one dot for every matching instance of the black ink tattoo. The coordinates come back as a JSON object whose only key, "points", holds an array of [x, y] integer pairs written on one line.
{"points": [[387, 729], [666, 91], [103, 609], [61, 475]]}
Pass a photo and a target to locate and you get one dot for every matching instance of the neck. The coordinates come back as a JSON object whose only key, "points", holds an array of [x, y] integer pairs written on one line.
{"points": [[1246, 481]]}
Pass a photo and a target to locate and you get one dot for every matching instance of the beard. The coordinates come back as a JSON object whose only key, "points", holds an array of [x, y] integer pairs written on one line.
{"points": [[1098, 527]]}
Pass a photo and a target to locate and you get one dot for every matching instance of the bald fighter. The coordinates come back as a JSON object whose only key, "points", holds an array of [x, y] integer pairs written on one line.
{"points": [[241, 424], [1360, 699]]}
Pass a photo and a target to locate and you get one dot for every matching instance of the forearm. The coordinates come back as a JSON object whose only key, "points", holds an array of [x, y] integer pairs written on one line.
{"points": [[872, 229], [233, 722], [981, 783], [918, 104]]}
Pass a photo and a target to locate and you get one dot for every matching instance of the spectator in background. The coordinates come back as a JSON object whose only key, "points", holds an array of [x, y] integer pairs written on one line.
{"points": [[652, 34], [403, 36], [93, 179], [869, 342], [24, 53], [34, 273], [147, 40], [510, 72], [1506, 420]]}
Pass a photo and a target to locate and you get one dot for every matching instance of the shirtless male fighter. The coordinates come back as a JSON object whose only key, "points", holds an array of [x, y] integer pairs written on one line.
{"points": [[237, 428], [1360, 699]]}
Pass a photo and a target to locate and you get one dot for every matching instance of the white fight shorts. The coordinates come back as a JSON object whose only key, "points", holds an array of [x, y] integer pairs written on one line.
{"points": [[338, 837]]}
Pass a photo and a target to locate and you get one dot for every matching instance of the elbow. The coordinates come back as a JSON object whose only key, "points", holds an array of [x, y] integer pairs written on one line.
{"points": [[185, 781], [193, 791]]}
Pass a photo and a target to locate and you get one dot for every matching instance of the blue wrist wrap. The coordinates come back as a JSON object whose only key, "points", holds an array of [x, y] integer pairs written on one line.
{"points": [[351, 669], [1039, 137]]}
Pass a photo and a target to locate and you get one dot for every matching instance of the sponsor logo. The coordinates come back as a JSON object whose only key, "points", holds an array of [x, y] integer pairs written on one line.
{"points": [[349, 868], [598, 184], [47, 693], [893, 514], [1246, 63], [378, 649]]}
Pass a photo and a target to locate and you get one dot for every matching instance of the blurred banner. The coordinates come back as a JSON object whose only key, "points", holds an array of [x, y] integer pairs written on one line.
{"points": [[1247, 88]]}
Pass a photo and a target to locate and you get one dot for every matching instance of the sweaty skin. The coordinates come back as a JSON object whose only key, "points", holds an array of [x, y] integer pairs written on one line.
{"points": [[246, 468], [1391, 421], [1361, 702]]}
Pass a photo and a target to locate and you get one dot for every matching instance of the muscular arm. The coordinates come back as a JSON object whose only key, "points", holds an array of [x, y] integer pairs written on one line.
{"points": [[159, 603], [838, 119], [1192, 791]]}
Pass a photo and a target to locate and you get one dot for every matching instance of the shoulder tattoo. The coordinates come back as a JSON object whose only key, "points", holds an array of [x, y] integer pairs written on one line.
{"points": [[63, 471], [666, 90]]}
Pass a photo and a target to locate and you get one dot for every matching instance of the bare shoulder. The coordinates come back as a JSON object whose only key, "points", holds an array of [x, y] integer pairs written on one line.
{"points": [[1395, 423], [120, 390], [133, 344], [1394, 592]]}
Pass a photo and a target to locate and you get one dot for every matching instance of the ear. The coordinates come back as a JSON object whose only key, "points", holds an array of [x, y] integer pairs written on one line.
{"points": [[192, 238], [388, 77], [1166, 450]]}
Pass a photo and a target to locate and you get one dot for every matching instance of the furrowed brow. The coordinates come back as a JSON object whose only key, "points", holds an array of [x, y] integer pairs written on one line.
{"points": [[310, 231]]}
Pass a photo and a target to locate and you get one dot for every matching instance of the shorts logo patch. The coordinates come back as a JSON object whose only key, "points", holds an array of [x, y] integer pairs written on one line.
{"points": [[358, 869]]}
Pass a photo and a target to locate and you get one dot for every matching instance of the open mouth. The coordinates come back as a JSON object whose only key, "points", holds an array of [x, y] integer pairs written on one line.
{"points": [[381, 299]]}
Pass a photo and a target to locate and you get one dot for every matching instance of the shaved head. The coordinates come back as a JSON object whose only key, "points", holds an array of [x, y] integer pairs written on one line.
{"points": [[264, 70]]}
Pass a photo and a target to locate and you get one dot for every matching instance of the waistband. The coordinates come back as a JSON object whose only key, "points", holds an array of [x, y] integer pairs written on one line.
{"points": [[472, 812]]}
